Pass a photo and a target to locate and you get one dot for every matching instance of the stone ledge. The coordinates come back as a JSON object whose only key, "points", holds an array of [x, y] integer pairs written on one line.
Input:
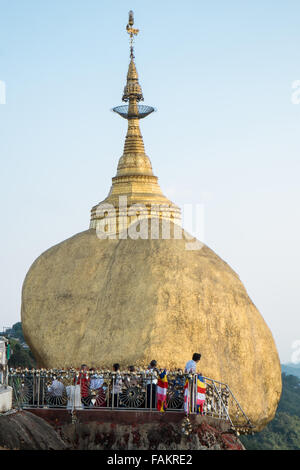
{"points": [[138, 430]]}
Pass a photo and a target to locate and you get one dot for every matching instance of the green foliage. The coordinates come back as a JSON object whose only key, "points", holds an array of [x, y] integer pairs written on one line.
{"points": [[291, 369], [283, 433], [20, 357], [17, 332], [290, 398], [14, 332]]}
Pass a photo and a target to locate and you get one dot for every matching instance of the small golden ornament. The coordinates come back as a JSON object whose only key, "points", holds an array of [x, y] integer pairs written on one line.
{"points": [[186, 426]]}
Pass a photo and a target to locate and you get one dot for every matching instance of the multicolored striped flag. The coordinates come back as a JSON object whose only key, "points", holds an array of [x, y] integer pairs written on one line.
{"points": [[161, 391], [186, 397], [201, 391]]}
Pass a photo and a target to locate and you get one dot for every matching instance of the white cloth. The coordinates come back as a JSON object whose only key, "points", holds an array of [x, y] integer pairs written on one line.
{"points": [[74, 397], [117, 385], [151, 373], [56, 389], [96, 382], [190, 367]]}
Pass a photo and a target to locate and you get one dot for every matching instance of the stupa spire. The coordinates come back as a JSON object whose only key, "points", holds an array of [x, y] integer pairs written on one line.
{"points": [[135, 178], [133, 112], [132, 90]]}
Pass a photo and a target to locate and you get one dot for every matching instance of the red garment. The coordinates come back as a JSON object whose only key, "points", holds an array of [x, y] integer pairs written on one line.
{"points": [[84, 381], [200, 406], [100, 398]]}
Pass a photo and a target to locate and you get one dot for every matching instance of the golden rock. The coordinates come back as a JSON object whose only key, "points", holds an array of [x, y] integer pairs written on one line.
{"points": [[98, 302]]}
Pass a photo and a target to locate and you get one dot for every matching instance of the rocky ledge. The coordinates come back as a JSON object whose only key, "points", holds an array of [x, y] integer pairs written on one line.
{"points": [[54, 430], [22, 430]]}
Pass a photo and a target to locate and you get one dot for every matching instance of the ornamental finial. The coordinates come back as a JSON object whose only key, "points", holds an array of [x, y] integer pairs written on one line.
{"points": [[131, 31], [132, 91]]}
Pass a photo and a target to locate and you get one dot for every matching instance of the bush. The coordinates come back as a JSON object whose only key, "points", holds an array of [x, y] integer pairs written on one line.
{"points": [[20, 357]]}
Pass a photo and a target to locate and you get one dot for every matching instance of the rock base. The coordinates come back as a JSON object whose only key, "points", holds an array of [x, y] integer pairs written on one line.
{"points": [[130, 430], [22, 430]]}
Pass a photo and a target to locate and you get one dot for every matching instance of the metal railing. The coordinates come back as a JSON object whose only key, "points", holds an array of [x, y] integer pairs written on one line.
{"points": [[75, 390]]}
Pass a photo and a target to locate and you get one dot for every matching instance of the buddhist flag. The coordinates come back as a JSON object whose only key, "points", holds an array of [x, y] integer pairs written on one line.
{"points": [[201, 391], [161, 391], [186, 397]]}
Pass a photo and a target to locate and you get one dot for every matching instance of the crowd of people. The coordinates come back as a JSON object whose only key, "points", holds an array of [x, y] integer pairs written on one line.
{"points": [[89, 388]]}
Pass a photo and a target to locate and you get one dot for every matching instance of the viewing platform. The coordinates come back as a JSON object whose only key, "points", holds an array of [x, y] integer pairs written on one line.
{"points": [[70, 396]]}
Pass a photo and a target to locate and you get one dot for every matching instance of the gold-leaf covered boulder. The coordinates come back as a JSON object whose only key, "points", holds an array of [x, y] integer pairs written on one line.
{"points": [[98, 302]]}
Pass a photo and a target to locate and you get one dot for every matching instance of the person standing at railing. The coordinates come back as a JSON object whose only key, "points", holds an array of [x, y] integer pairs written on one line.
{"points": [[131, 380], [96, 380], [151, 383], [56, 390], [117, 384], [84, 381], [191, 366], [97, 389]]}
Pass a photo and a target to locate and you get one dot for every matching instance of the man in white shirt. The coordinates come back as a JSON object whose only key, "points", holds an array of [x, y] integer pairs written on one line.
{"points": [[191, 366]]}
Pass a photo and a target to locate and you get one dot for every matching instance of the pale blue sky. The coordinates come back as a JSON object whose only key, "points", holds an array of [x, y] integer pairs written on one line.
{"points": [[226, 133]]}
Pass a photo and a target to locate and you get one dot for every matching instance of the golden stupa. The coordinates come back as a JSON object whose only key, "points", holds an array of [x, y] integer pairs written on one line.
{"points": [[125, 292]]}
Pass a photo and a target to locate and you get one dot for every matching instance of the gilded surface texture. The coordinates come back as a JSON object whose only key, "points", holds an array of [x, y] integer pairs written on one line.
{"points": [[98, 302]]}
